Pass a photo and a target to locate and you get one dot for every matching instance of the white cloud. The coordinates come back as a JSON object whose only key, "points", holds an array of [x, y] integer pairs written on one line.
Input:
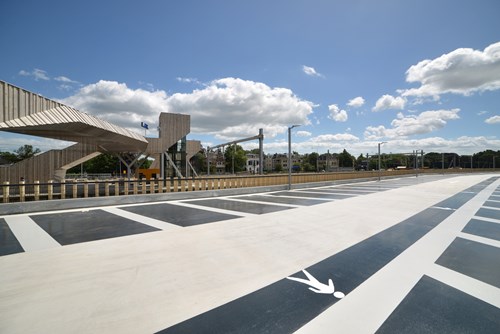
{"points": [[118, 104], [303, 134], [389, 102], [462, 145], [37, 74], [402, 127], [311, 71], [64, 79], [356, 102], [462, 71], [228, 108], [334, 137], [335, 143], [189, 80], [493, 120], [337, 114], [233, 108]]}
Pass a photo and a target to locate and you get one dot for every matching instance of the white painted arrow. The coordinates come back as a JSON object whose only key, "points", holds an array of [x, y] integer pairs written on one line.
{"points": [[317, 286]]}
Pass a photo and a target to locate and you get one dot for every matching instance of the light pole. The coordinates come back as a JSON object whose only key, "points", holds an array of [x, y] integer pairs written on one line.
{"points": [[384, 142], [290, 155]]}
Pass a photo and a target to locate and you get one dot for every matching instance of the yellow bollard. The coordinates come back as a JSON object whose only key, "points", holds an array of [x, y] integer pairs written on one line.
{"points": [[6, 192], [36, 188]]}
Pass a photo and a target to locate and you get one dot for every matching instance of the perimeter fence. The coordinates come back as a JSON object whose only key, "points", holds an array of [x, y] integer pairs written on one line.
{"points": [[71, 189]]}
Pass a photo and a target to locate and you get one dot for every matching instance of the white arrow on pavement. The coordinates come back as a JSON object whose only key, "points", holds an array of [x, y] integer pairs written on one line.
{"points": [[317, 286]]}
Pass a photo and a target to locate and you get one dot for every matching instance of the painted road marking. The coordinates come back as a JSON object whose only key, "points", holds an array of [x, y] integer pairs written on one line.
{"points": [[160, 224], [367, 273], [318, 287], [399, 277], [31, 236]]}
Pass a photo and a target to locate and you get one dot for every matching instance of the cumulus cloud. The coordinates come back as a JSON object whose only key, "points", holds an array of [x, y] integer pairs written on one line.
{"points": [[228, 108], [389, 102], [303, 134], [64, 79], [118, 104], [322, 143], [493, 120], [311, 71], [231, 108], [460, 145], [356, 102], [335, 137], [336, 143], [337, 114], [404, 126], [462, 71], [36, 74], [188, 80]]}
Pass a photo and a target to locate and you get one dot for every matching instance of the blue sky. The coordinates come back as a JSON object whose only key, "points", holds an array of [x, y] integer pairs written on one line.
{"points": [[419, 75]]}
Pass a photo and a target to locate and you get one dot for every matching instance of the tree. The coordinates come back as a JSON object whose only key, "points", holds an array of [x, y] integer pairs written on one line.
{"points": [[361, 162], [25, 152], [236, 154], [9, 157], [103, 163], [255, 151], [485, 159], [345, 159], [199, 161], [310, 162]]}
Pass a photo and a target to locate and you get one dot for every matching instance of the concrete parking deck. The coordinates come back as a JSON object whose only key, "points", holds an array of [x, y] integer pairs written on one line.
{"points": [[413, 255]]}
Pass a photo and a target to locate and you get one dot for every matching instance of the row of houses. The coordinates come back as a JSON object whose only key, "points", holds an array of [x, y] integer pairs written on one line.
{"points": [[278, 162]]}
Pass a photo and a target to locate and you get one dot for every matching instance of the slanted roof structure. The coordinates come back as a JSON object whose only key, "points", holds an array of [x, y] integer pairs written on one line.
{"points": [[28, 113]]}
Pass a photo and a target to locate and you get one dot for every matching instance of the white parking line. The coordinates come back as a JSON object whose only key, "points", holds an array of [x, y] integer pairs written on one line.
{"points": [[483, 240], [378, 297], [469, 285], [31, 236], [142, 219], [238, 199], [207, 208]]}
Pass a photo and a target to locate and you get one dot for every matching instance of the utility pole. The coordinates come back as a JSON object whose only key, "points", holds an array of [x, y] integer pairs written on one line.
{"points": [[290, 155]]}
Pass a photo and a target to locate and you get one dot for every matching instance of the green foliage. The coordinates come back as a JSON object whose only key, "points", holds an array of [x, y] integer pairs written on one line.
{"points": [[26, 151], [103, 163], [237, 155], [345, 159], [310, 162], [199, 162], [255, 151], [9, 157], [145, 163], [485, 159], [23, 152]]}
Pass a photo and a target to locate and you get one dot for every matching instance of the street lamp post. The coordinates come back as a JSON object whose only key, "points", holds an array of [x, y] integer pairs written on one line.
{"points": [[290, 155], [379, 158]]}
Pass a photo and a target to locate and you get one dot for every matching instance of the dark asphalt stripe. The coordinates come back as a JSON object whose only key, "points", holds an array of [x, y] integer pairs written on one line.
{"points": [[492, 204], [473, 259], [178, 215], [282, 200], [341, 191], [483, 229], [285, 306], [255, 208], [75, 227], [488, 213], [308, 194], [434, 307], [8, 241]]}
